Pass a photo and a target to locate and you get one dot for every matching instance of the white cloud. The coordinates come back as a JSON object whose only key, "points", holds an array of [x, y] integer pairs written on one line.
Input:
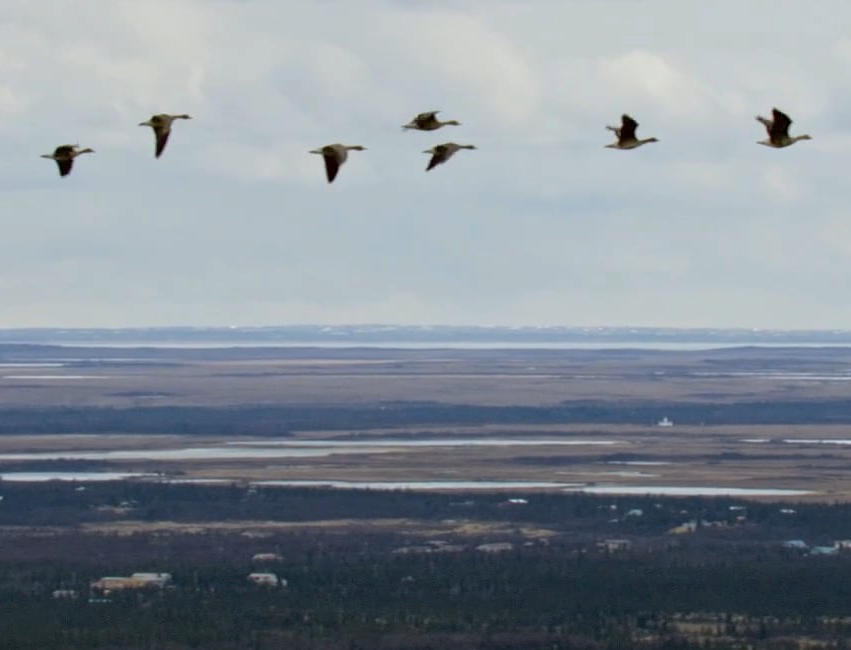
{"points": [[540, 225], [468, 58], [781, 185]]}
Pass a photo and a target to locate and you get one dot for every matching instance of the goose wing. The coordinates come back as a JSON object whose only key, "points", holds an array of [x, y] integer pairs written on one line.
{"points": [[427, 121], [440, 154], [765, 122], [780, 124], [65, 165], [161, 134], [436, 159], [627, 130], [332, 166]]}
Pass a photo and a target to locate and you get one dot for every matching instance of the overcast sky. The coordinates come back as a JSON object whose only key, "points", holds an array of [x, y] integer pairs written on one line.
{"points": [[236, 225]]}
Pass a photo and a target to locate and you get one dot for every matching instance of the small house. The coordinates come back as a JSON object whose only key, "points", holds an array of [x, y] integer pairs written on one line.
{"points": [[495, 547], [823, 550], [797, 544], [134, 581], [266, 579], [614, 545]]}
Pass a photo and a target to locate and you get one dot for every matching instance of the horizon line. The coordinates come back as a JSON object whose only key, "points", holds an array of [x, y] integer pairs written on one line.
{"points": [[426, 326]]}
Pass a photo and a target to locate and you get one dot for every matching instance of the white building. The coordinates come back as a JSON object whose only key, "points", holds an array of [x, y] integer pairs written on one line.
{"points": [[267, 579], [135, 581]]}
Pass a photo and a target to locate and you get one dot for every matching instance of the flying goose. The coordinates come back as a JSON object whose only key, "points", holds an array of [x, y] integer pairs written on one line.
{"points": [[626, 135], [443, 152], [428, 122], [334, 156], [64, 156], [161, 124], [778, 130]]}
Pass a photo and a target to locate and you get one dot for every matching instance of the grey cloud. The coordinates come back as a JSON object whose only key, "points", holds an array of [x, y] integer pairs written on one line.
{"points": [[540, 225]]}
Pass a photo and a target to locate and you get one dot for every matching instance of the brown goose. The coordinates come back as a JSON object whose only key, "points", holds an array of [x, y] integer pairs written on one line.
{"points": [[443, 152], [334, 156], [64, 156], [778, 130], [625, 134], [428, 122], [161, 124]]}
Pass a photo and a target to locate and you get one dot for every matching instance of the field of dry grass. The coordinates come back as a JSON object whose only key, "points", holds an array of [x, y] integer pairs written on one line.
{"points": [[602, 454], [140, 377]]}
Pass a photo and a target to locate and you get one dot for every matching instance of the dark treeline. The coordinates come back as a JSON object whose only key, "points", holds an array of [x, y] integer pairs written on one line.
{"points": [[353, 594], [262, 420], [349, 587], [61, 503]]}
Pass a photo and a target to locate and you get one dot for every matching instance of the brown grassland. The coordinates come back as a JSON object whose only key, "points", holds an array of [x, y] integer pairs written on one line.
{"points": [[750, 454]]}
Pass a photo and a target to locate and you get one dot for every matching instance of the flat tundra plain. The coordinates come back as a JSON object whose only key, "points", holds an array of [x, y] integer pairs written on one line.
{"points": [[769, 423]]}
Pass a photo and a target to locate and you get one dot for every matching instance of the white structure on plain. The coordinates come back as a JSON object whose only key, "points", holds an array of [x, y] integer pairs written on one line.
{"points": [[614, 545], [267, 579], [495, 547], [135, 581]]}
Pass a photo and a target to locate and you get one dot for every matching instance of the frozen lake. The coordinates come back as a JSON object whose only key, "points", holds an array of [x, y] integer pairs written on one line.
{"points": [[432, 442], [421, 485], [38, 477], [689, 490], [293, 449], [801, 441]]}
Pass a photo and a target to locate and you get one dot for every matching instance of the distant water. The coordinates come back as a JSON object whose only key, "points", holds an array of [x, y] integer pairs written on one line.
{"points": [[290, 449], [426, 336], [430, 442], [800, 441], [39, 477], [448, 345], [689, 490], [193, 453], [56, 377], [421, 485]]}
